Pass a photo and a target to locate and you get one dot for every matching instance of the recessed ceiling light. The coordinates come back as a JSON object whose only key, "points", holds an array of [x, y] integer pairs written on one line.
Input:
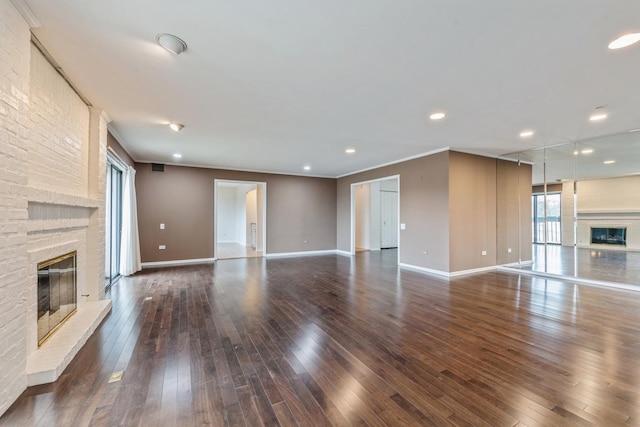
{"points": [[609, 162], [624, 41], [526, 133], [177, 156], [350, 150], [575, 153], [597, 117], [437, 116], [176, 126], [307, 168], [587, 151], [171, 43]]}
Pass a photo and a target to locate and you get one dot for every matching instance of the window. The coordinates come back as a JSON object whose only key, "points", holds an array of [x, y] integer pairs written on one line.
{"points": [[113, 223], [552, 224]]}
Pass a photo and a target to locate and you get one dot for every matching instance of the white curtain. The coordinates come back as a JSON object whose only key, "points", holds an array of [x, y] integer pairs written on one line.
{"points": [[130, 246]]}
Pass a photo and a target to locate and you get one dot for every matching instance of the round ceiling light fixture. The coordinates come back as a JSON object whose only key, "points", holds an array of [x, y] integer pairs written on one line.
{"points": [[350, 150], [437, 116], [600, 113], [526, 133], [624, 41], [171, 43], [176, 126]]}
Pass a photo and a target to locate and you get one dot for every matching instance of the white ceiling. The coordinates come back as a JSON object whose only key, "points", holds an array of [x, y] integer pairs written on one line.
{"points": [[273, 86]]}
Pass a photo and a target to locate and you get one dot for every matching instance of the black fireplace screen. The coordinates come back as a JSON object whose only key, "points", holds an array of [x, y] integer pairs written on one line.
{"points": [[609, 236], [56, 293]]}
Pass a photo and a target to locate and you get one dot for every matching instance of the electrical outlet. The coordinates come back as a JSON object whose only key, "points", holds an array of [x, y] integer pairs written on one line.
{"points": [[403, 226], [161, 226], [484, 253], [509, 250], [162, 247]]}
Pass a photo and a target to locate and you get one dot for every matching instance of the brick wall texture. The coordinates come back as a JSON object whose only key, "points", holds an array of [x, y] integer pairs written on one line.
{"points": [[48, 143]]}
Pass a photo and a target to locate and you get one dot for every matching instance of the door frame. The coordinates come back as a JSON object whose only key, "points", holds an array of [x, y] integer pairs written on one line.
{"points": [[352, 247], [215, 212]]}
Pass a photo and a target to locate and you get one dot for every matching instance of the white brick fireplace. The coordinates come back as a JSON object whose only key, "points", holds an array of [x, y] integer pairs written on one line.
{"points": [[52, 182]]}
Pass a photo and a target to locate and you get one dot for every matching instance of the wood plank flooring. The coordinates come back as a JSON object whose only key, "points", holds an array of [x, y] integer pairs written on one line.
{"points": [[332, 340]]}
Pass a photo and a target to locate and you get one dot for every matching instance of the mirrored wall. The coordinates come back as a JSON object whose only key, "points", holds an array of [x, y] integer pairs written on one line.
{"points": [[581, 217]]}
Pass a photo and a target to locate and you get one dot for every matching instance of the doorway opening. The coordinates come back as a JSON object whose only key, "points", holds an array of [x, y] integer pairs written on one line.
{"points": [[375, 213], [240, 209]]}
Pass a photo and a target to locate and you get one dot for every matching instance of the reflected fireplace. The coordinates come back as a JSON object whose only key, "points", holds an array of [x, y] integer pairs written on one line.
{"points": [[57, 299], [609, 236]]}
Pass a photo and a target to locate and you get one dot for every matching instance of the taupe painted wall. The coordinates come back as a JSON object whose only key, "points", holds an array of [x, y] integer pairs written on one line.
{"points": [[298, 209], [424, 208], [513, 201], [472, 211]]}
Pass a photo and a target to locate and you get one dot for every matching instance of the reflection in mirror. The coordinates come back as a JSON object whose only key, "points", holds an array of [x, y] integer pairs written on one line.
{"points": [[584, 212], [608, 208]]}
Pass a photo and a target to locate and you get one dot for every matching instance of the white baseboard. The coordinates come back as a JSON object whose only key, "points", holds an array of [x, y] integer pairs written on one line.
{"points": [[343, 253], [178, 262], [424, 270], [473, 271], [303, 253], [446, 273]]}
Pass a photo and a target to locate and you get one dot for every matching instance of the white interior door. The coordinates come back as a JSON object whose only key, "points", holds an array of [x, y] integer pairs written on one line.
{"points": [[388, 219]]}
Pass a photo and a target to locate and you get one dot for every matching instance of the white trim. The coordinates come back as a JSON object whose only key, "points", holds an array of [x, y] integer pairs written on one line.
{"points": [[178, 262], [343, 253], [445, 273], [578, 280], [113, 157], [27, 13], [395, 162], [303, 253], [517, 264], [424, 270], [473, 271]]}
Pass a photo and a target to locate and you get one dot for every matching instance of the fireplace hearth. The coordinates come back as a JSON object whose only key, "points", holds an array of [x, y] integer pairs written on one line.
{"points": [[57, 299]]}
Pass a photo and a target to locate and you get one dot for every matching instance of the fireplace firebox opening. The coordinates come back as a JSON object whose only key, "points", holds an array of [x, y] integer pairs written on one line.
{"points": [[609, 236], [57, 299]]}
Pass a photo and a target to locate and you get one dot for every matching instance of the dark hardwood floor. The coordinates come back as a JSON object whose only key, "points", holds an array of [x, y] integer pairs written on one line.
{"points": [[331, 340]]}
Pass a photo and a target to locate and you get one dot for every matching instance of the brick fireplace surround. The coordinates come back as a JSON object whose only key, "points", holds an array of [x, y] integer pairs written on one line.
{"points": [[52, 183]]}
